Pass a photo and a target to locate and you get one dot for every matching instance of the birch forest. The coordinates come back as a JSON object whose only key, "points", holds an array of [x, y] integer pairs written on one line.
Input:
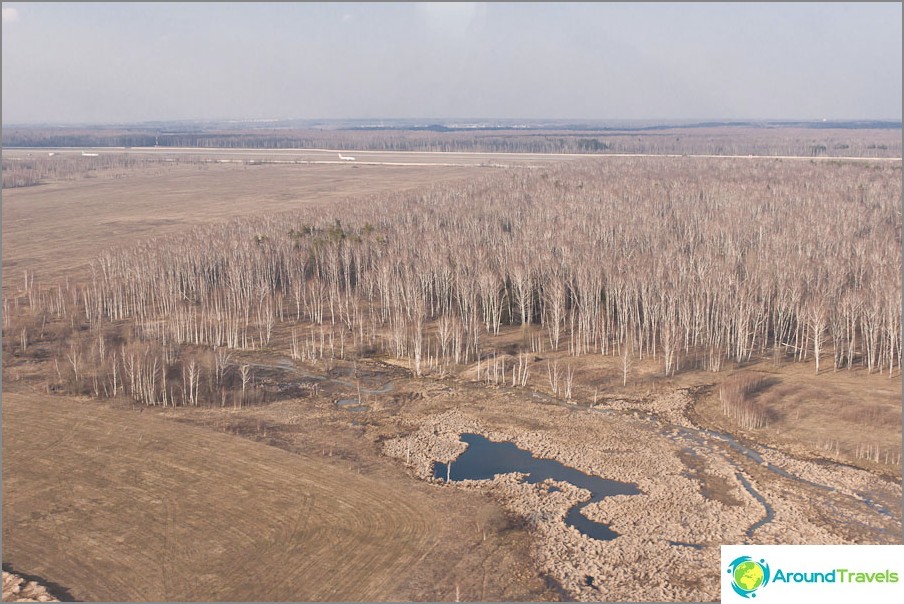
{"points": [[698, 265]]}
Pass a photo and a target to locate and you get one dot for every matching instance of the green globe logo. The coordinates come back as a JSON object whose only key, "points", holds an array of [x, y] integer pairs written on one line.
{"points": [[748, 575]]}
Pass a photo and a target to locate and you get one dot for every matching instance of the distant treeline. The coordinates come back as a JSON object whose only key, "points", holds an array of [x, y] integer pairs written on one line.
{"points": [[714, 140]]}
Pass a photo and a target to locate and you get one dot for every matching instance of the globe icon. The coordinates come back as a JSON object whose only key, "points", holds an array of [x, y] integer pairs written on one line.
{"points": [[748, 575]]}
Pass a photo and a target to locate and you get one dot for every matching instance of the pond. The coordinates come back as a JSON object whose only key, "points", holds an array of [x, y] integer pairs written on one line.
{"points": [[485, 459]]}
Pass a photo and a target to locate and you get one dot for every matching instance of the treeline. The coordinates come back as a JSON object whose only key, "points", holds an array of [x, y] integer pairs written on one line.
{"points": [[693, 264], [809, 142]]}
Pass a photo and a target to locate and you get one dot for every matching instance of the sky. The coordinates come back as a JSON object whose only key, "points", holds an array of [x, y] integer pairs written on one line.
{"points": [[134, 62]]}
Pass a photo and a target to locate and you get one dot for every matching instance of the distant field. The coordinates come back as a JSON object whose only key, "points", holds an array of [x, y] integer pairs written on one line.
{"points": [[54, 229]]}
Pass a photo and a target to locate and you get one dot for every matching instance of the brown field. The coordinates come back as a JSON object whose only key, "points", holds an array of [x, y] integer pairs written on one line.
{"points": [[55, 229], [295, 498], [120, 505]]}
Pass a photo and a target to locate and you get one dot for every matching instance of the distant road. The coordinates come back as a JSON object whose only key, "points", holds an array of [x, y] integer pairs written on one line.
{"points": [[389, 158]]}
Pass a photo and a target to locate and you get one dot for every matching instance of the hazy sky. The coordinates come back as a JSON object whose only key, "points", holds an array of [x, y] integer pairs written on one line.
{"points": [[70, 62]]}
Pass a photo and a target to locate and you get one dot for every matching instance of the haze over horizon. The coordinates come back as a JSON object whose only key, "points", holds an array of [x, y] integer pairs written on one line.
{"points": [[127, 63]]}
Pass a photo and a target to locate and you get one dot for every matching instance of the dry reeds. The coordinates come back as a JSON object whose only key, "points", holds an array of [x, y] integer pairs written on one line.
{"points": [[737, 402]]}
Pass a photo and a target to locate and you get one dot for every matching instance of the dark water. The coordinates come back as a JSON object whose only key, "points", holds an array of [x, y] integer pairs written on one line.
{"points": [[878, 507], [770, 513], [351, 404], [485, 459], [696, 546]]}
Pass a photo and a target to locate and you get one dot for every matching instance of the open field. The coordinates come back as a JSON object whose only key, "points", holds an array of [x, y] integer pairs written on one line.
{"points": [[120, 505], [53, 230], [288, 454], [845, 416]]}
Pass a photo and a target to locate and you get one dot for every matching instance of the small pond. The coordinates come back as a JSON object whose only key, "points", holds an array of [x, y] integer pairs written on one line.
{"points": [[485, 459]]}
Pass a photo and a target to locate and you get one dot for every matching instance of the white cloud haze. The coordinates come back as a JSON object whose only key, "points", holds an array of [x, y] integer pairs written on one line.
{"points": [[121, 62]]}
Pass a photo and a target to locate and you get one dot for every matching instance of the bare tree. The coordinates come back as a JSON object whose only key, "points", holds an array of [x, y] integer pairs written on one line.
{"points": [[627, 360], [245, 372]]}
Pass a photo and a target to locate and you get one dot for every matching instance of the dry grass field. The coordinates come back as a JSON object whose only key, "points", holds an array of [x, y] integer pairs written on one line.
{"points": [[53, 230], [120, 505]]}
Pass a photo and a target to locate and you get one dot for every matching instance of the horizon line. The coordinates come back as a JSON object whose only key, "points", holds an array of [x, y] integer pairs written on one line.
{"points": [[435, 121]]}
